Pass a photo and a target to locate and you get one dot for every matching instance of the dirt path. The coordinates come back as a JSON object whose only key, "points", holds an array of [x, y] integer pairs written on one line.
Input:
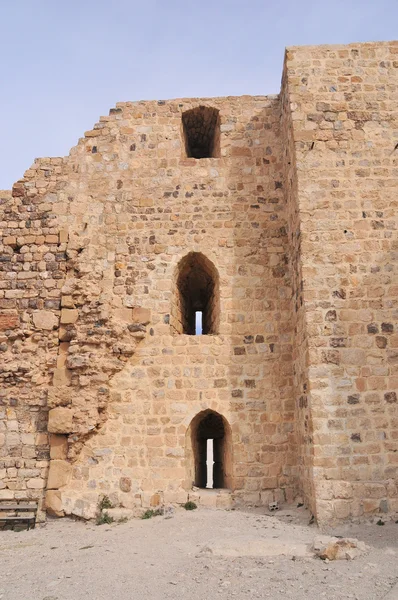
{"points": [[201, 554]]}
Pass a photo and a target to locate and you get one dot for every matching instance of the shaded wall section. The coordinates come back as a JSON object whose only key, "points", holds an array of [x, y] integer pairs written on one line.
{"points": [[343, 104]]}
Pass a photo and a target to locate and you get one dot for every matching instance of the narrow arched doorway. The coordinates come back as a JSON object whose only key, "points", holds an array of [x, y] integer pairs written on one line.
{"points": [[210, 453]]}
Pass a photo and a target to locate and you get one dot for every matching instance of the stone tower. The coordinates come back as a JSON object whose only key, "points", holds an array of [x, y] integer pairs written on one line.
{"points": [[218, 269]]}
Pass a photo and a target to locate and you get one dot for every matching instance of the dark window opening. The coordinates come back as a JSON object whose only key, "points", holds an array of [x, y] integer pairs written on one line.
{"points": [[202, 132], [196, 310], [209, 467]]}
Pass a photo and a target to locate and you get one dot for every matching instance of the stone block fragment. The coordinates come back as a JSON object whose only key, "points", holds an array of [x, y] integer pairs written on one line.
{"points": [[35, 483], [45, 319], [53, 503], [69, 315], [125, 484], [60, 420], [120, 514], [61, 377], [58, 446], [59, 474], [155, 500], [141, 315], [65, 334], [8, 321], [78, 361], [391, 397], [338, 549], [63, 236]]}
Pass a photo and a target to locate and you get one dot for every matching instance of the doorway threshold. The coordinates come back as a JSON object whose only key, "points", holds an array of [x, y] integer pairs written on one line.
{"points": [[212, 497]]}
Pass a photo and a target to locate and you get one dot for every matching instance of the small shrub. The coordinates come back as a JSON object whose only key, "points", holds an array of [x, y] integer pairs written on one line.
{"points": [[105, 503], [190, 505], [104, 518], [148, 514]]}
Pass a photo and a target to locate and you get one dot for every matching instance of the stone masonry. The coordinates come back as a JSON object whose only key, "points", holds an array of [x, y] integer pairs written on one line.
{"points": [[278, 216]]}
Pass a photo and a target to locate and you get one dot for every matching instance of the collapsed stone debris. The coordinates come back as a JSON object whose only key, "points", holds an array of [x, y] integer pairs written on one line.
{"points": [[204, 294]]}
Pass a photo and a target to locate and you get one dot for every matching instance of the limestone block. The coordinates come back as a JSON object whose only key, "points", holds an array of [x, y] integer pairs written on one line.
{"points": [[125, 484], [58, 447], [338, 549], [53, 503], [63, 236], [10, 240], [61, 377], [28, 439], [224, 500], [36, 483], [155, 500], [45, 319], [8, 321], [65, 334], [67, 301], [69, 315], [119, 514], [141, 315], [59, 396], [61, 358], [78, 361], [6, 494], [60, 420], [342, 509], [41, 439], [124, 314], [176, 497], [59, 473]]}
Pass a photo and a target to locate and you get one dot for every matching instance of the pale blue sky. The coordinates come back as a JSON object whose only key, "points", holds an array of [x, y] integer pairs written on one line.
{"points": [[65, 63]]}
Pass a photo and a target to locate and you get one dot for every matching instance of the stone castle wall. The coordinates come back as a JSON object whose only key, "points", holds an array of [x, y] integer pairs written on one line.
{"points": [[154, 207], [296, 218], [344, 111], [32, 268]]}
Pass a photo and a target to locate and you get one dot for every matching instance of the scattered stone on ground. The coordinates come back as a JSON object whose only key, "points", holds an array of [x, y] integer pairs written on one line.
{"points": [[333, 548]]}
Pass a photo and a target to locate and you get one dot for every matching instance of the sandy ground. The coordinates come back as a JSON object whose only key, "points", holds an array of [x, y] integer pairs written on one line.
{"points": [[199, 554]]}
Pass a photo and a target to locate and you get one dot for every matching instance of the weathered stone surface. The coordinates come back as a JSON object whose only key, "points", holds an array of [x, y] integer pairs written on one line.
{"points": [[120, 514], [141, 315], [58, 446], [60, 420], [69, 315], [61, 377], [59, 474], [338, 548], [45, 319], [125, 484], [53, 503]]}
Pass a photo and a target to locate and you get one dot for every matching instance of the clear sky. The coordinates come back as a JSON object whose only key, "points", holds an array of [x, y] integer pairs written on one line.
{"points": [[66, 62]]}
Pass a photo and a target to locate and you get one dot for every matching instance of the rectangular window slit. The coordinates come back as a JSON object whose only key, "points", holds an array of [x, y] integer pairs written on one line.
{"points": [[209, 463]]}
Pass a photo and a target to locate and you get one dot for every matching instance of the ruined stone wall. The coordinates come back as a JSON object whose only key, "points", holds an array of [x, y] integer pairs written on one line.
{"points": [[343, 104], [123, 386], [32, 268], [152, 207], [294, 217]]}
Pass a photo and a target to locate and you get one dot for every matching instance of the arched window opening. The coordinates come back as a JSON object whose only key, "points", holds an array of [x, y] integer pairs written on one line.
{"points": [[201, 127], [196, 309], [212, 454]]}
